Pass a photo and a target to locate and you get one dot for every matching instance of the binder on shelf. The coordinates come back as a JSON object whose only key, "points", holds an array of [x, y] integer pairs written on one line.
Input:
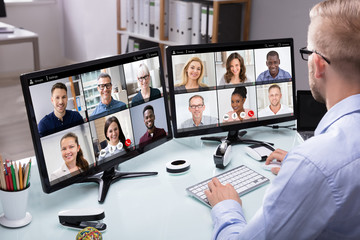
{"points": [[196, 23], [204, 23], [172, 21], [131, 42], [184, 22], [130, 15], [136, 46], [166, 19], [136, 16], [154, 19], [206, 28], [144, 11], [210, 23]]}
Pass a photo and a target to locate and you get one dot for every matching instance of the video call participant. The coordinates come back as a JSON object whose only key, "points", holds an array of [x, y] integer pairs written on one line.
{"points": [[74, 161], [274, 72], [197, 107], [235, 70], [60, 118], [275, 107], [192, 76], [115, 136], [107, 103], [239, 113], [153, 133], [315, 195], [146, 92]]}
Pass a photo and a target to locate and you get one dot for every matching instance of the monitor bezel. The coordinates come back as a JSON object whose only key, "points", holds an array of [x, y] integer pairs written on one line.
{"points": [[2, 9], [216, 47], [78, 68]]}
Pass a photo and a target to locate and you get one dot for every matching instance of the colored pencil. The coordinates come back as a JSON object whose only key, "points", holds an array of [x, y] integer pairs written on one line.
{"points": [[9, 175], [7, 180], [26, 174], [17, 176], [20, 176], [13, 176], [2, 176], [28, 177]]}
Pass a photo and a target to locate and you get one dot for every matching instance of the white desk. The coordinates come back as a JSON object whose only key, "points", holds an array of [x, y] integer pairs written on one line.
{"points": [[22, 36], [153, 207]]}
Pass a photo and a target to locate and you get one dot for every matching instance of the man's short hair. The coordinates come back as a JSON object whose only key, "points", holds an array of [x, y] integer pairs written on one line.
{"points": [[148, 107], [274, 86], [272, 54], [58, 85], [335, 32], [195, 97], [104, 75]]}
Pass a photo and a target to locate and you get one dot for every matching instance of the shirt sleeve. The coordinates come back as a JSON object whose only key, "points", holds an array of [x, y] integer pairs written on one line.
{"points": [[298, 203]]}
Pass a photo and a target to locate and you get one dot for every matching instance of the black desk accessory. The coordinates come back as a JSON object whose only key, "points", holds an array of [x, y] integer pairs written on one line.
{"points": [[82, 218], [222, 155]]}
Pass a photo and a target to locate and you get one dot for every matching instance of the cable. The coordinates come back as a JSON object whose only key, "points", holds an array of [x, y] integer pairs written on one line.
{"points": [[278, 126]]}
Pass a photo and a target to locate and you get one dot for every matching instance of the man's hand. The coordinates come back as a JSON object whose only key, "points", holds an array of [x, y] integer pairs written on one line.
{"points": [[279, 155], [218, 192]]}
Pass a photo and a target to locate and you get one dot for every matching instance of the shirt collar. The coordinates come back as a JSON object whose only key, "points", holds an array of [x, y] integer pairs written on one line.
{"points": [[344, 107]]}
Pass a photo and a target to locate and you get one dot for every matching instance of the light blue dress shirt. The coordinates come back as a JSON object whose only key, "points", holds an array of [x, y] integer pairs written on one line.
{"points": [[317, 192], [266, 76], [102, 109]]}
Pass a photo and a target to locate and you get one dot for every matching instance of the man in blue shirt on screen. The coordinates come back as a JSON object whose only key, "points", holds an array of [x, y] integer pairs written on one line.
{"points": [[60, 118], [316, 193], [274, 72], [108, 104]]}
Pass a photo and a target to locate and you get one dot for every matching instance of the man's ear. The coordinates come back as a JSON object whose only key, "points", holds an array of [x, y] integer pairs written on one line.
{"points": [[319, 65]]}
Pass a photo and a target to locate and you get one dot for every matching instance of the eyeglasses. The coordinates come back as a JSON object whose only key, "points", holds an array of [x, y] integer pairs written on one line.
{"points": [[102, 86], [196, 106], [305, 52], [143, 78]]}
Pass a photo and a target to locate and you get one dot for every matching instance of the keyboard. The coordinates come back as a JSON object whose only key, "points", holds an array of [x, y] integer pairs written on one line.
{"points": [[243, 179]]}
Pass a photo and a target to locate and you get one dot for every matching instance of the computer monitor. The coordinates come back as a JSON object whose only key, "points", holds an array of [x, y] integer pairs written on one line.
{"points": [[2, 9], [227, 87], [87, 118]]}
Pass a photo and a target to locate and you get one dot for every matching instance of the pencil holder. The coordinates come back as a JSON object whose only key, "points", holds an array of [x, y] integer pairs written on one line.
{"points": [[14, 204]]}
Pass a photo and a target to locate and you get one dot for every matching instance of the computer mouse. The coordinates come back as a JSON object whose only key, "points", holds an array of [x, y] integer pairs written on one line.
{"points": [[271, 165]]}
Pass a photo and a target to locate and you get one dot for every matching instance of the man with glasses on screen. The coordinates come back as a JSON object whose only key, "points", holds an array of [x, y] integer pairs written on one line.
{"points": [[316, 193], [197, 107], [107, 104]]}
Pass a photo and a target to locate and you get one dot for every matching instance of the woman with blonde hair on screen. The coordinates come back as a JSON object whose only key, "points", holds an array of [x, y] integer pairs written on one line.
{"points": [[192, 76], [146, 92]]}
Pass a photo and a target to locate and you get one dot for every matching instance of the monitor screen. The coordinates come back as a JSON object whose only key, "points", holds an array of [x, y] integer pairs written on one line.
{"points": [[227, 87], [87, 118], [2, 9]]}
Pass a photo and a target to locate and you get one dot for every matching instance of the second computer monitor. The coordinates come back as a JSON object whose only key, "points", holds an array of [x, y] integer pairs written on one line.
{"points": [[226, 87]]}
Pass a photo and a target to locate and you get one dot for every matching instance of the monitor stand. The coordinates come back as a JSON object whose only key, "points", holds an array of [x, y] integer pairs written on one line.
{"points": [[106, 178], [235, 137]]}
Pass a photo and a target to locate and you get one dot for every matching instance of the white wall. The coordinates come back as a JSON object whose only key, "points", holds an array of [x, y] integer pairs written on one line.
{"points": [[283, 19], [69, 31], [45, 19], [89, 29]]}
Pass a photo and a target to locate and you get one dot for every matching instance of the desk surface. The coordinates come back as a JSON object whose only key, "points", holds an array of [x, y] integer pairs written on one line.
{"points": [[153, 207]]}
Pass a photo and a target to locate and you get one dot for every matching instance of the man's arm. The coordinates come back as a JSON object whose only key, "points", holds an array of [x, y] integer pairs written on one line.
{"points": [[297, 204]]}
